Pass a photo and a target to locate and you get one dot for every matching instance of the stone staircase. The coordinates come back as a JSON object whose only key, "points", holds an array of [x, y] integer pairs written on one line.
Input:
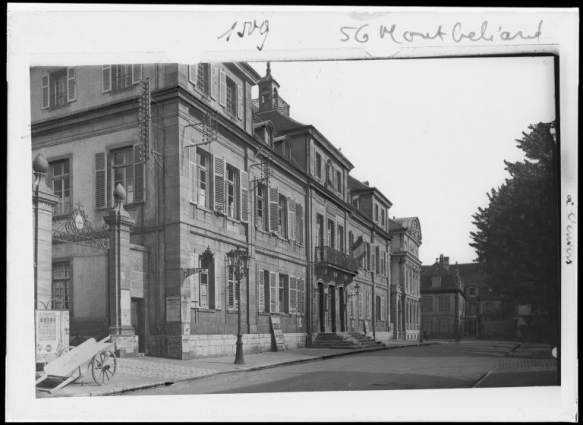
{"points": [[345, 340]]}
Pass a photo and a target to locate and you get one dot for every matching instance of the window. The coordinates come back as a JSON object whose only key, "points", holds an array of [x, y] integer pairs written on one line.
{"points": [[233, 289], [318, 165], [202, 161], [330, 234], [203, 78], [320, 230], [231, 185], [473, 309], [350, 241], [283, 293], [231, 97], [62, 287], [356, 203], [471, 290], [204, 280], [120, 77], [261, 208], [378, 259], [340, 238], [444, 303], [426, 304], [376, 213], [61, 185], [123, 172], [338, 181], [282, 216], [378, 308], [58, 88], [383, 218]]}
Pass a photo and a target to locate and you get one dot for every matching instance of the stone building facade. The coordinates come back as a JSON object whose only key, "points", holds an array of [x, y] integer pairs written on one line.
{"points": [[210, 171], [406, 277], [443, 300]]}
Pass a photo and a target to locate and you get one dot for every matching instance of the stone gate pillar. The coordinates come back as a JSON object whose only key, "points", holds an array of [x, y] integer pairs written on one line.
{"points": [[119, 302], [43, 202]]}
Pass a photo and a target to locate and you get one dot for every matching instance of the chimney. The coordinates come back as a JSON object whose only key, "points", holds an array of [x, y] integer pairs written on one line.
{"points": [[446, 263]]}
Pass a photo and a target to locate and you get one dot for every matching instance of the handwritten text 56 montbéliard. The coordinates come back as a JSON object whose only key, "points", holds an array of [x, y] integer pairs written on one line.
{"points": [[459, 33]]}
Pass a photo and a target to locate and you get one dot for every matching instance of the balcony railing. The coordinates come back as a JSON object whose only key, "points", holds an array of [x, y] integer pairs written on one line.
{"points": [[326, 254]]}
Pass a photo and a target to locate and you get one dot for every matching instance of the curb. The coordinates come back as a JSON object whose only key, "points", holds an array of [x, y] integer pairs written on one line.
{"points": [[114, 391]]}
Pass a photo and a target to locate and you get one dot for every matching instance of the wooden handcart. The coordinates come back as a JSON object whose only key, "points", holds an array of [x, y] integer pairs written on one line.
{"points": [[75, 361]]}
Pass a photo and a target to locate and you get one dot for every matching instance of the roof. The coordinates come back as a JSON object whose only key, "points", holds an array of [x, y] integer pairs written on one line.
{"points": [[355, 184], [449, 278], [395, 226], [279, 120]]}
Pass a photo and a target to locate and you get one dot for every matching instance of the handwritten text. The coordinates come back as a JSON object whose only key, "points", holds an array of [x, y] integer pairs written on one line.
{"points": [[250, 27], [458, 34]]}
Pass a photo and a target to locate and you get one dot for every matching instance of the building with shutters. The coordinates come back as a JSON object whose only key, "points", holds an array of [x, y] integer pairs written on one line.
{"points": [[343, 295], [207, 169], [443, 300], [405, 277]]}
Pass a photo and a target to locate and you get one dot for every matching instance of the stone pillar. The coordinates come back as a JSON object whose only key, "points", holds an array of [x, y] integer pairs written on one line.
{"points": [[43, 202], [120, 223]]}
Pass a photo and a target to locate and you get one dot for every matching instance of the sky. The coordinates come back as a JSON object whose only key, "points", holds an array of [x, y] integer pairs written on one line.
{"points": [[431, 134]]}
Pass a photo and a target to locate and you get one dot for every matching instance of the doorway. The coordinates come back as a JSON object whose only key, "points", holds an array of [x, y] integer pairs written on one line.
{"points": [[137, 322], [321, 307], [332, 293], [342, 310]]}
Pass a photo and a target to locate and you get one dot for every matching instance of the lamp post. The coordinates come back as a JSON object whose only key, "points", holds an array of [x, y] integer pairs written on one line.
{"points": [[238, 264]]}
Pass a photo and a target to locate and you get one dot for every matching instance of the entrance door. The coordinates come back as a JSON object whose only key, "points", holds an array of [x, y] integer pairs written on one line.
{"points": [[321, 307], [332, 294], [342, 310], [137, 323], [473, 328]]}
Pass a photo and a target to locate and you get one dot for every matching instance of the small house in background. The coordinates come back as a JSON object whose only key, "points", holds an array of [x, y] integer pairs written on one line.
{"points": [[443, 300]]}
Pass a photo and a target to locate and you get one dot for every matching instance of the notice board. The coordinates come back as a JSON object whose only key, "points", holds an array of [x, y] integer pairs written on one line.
{"points": [[277, 340]]}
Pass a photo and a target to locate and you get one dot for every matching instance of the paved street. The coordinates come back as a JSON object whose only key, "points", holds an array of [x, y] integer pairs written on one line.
{"points": [[455, 365]]}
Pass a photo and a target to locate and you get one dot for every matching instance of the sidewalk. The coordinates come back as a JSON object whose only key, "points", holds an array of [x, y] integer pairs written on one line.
{"points": [[147, 372]]}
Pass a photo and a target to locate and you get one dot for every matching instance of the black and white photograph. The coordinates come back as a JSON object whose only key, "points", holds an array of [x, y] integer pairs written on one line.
{"points": [[338, 214]]}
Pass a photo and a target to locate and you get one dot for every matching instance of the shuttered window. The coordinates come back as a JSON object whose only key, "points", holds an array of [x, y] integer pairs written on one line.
{"points": [[299, 224], [261, 291], [214, 85], [283, 293], [222, 88], [293, 294], [233, 289], [378, 259], [217, 284], [120, 77], [59, 88], [301, 296], [291, 219]]}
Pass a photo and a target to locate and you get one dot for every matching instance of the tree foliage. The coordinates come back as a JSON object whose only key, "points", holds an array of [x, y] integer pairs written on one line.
{"points": [[517, 234]]}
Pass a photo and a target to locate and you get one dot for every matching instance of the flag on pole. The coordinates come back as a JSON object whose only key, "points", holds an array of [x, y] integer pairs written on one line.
{"points": [[358, 250]]}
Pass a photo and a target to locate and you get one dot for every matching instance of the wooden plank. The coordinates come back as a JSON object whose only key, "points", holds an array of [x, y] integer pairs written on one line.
{"points": [[68, 362], [277, 333]]}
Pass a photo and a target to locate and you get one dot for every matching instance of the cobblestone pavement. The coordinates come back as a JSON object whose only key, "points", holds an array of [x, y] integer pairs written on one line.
{"points": [[163, 371], [515, 363]]}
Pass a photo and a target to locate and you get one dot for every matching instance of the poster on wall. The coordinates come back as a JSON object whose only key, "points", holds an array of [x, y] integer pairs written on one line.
{"points": [[173, 309]]}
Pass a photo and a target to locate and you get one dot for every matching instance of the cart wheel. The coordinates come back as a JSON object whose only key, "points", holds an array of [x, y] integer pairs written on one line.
{"points": [[103, 367]]}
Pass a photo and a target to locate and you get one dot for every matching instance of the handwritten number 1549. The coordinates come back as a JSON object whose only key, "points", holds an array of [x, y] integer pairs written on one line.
{"points": [[250, 27]]}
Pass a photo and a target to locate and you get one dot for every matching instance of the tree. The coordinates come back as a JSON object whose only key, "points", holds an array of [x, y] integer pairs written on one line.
{"points": [[517, 240]]}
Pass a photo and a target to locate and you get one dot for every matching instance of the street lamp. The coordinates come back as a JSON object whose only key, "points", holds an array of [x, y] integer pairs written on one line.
{"points": [[238, 264]]}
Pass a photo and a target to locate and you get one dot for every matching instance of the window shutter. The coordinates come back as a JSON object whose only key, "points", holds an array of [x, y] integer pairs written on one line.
{"points": [[218, 284], [272, 292], [240, 102], [219, 184], [273, 208], [71, 95], [293, 294], [378, 259], [194, 283], [100, 180], [192, 73], [222, 88], [136, 73], [244, 196], [383, 308], [192, 174], [46, 94], [106, 78], [302, 300], [261, 291], [139, 175], [213, 81], [298, 224], [291, 219]]}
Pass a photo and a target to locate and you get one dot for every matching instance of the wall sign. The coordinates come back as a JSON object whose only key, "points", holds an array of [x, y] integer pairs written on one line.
{"points": [[173, 309]]}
